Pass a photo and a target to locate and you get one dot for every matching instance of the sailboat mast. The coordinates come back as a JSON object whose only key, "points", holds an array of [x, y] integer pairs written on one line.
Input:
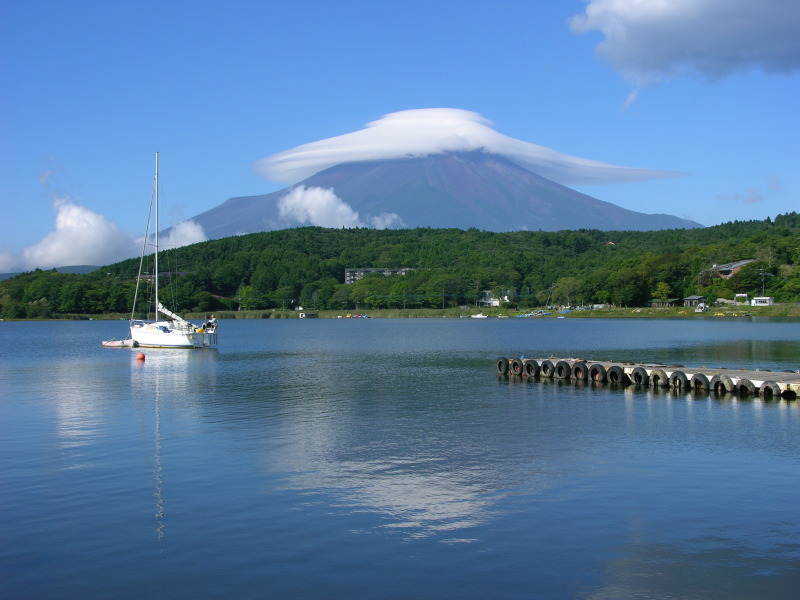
{"points": [[155, 258]]}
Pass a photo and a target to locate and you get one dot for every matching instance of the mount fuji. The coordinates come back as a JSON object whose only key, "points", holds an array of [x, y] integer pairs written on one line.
{"points": [[460, 190]]}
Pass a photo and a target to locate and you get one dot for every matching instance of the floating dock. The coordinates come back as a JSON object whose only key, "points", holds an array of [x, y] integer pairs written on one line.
{"points": [[719, 381]]}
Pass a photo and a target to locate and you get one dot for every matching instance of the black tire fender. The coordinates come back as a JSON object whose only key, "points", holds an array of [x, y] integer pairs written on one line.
{"points": [[745, 387], [563, 370], [721, 385], [615, 374], [516, 366], [530, 367], [597, 373], [502, 365], [546, 369], [580, 372], [639, 376], [699, 382], [769, 390], [679, 380], [658, 378]]}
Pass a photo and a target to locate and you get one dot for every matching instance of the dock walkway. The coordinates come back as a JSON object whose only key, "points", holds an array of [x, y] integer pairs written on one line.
{"points": [[720, 381]]}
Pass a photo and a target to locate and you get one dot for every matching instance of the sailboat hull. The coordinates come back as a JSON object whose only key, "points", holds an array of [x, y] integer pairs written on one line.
{"points": [[159, 335]]}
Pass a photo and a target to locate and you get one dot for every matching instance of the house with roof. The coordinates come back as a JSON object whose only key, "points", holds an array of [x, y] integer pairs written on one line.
{"points": [[663, 302], [490, 298], [762, 301], [694, 300]]}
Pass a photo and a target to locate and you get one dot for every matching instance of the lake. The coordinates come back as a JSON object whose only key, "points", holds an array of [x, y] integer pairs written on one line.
{"points": [[385, 458]]}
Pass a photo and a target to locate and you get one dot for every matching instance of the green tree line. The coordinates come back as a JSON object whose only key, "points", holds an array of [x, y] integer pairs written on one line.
{"points": [[452, 267]]}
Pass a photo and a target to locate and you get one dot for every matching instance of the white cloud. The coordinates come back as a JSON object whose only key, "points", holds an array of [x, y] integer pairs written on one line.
{"points": [[385, 221], [317, 206], [422, 132], [81, 237], [9, 263], [183, 234], [322, 207], [648, 40]]}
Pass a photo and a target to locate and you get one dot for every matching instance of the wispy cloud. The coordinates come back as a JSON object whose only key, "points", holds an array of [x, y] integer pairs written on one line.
{"points": [[322, 207], [754, 194], [749, 196], [775, 183], [422, 132], [648, 41]]}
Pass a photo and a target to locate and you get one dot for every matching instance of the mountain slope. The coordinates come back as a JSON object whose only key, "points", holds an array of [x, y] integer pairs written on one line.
{"points": [[463, 190]]}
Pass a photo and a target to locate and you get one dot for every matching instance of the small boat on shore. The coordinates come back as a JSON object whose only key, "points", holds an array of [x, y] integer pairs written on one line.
{"points": [[115, 343]]}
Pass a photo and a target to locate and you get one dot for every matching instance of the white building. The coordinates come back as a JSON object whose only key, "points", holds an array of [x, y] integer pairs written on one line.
{"points": [[762, 301], [488, 298]]}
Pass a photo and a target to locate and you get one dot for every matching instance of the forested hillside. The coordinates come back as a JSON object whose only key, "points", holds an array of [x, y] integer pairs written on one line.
{"points": [[305, 266]]}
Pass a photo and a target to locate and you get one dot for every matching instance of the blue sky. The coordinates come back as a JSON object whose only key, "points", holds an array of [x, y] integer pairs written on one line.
{"points": [[92, 89]]}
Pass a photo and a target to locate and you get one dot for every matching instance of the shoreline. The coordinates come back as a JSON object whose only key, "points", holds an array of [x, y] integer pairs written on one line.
{"points": [[791, 311]]}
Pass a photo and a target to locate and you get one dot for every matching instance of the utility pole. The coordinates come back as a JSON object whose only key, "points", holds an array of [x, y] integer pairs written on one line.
{"points": [[764, 276]]}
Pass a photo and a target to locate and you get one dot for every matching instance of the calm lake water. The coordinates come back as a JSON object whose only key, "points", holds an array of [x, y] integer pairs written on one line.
{"points": [[386, 459]]}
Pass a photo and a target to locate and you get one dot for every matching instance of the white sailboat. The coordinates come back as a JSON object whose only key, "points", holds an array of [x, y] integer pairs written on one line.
{"points": [[172, 331]]}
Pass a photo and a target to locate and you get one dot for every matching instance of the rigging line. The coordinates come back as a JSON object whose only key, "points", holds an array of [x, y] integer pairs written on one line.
{"points": [[171, 260], [144, 247], [174, 278]]}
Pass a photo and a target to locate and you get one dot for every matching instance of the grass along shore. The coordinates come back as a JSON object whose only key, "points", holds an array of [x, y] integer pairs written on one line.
{"points": [[778, 310]]}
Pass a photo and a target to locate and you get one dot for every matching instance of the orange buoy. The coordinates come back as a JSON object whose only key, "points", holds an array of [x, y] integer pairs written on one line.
{"points": [[140, 356]]}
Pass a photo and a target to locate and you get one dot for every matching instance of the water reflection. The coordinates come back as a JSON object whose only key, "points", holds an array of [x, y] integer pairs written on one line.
{"points": [[451, 470], [733, 353], [415, 479], [411, 494], [82, 398], [171, 379], [361, 437], [341, 456], [710, 567], [79, 416]]}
